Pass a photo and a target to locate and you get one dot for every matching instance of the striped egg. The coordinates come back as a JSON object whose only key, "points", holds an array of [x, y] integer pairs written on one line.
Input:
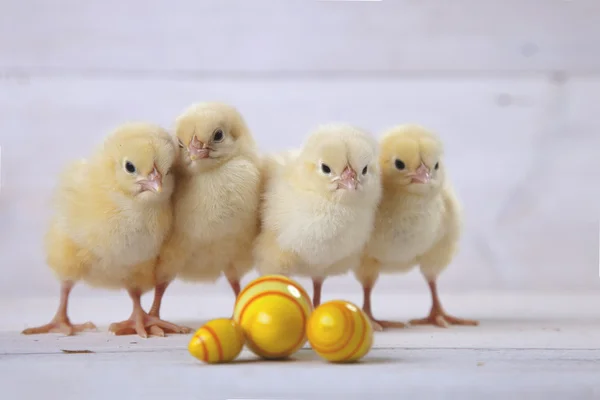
{"points": [[339, 331], [217, 341], [272, 311]]}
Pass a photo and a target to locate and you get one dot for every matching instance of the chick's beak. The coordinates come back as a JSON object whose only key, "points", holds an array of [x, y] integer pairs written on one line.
{"points": [[154, 181], [421, 175], [197, 149], [348, 179]]}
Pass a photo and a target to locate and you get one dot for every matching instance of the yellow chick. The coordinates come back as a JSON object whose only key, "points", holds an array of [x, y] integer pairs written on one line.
{"points": [[113, 212], [319, 205], [215, 201], [418, 221]]}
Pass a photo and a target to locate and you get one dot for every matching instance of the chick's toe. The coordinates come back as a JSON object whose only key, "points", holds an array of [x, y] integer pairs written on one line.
{"points": [[140, 320], [60, 325]]}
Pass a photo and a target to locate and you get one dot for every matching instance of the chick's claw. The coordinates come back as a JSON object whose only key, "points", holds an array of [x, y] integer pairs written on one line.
{"points": [[138, 323], [376, 325], [60, 326], [441, 319], [156, 331], [380, 325], [184, 329]]}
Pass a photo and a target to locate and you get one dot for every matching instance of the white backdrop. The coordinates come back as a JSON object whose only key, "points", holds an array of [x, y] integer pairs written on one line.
{"points": [[513, 86]]}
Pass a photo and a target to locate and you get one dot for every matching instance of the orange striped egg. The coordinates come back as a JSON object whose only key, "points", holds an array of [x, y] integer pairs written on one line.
{"points": [[272, 311], [219, 340], [339, 331]]}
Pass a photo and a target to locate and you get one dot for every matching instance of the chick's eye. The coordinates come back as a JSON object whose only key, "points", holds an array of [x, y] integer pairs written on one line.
{"points": [[325, 168], [399, 164], [129, 167], [180, 143], [218, 136], [437, 165], [364, 171]]}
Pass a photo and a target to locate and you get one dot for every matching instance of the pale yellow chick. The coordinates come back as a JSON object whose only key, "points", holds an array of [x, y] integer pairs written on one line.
{"points": [[418, 221], [113, 212], [215, 201], [319, 205]]}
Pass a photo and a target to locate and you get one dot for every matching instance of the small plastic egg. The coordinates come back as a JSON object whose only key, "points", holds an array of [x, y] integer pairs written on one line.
{"points": [[217, 341], [339, 331], [273, 311]]}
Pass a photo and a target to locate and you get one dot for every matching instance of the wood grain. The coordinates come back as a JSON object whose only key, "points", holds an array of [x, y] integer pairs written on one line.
{"points": [[269, 37]]}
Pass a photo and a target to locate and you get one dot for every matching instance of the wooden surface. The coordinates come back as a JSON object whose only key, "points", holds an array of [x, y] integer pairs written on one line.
{"points": [[505, 160], [139, 38], [539, 346], [512, 87]]}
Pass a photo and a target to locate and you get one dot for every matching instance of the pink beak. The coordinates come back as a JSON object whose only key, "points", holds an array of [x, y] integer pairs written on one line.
{"points": [[348, 179], [154, 181], [421, 175], [197, 149]]}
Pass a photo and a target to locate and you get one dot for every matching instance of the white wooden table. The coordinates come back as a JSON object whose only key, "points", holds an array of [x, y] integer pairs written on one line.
{"points": [[535, 346]]}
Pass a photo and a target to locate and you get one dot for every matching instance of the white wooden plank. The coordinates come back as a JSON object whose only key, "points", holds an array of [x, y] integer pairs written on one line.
{"points": [[568, 147], [550, 321], [382, 374], [548, 349], [293, 36], [64, 117], [537, 212], [491, 128]]}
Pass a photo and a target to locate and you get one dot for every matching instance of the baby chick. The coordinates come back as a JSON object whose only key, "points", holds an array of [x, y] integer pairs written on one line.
{"points": [[319, 205], [113, 212], [418, 221], [215, 201]]}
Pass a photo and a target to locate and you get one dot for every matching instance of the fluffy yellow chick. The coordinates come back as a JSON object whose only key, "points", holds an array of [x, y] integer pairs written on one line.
{"points": [[215, 201], [319, 205], [418, 221], [113, 212]]}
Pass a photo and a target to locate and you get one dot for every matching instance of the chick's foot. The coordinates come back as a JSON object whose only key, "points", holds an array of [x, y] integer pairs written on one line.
{"points": [[140, 321], [380, 325], [437, 315], [62, 325], [443, 320]]}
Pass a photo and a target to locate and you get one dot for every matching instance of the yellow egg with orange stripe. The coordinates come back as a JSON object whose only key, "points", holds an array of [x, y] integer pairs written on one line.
{"points": [[273, 311], [339, 331], [217, 341]]}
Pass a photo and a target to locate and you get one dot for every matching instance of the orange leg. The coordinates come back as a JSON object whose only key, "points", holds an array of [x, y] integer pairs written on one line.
{"points": [[61, 323], [140, 320], [437, 315], [159, 292], [317, 286], [378, 325], [235, 285], [234, 282]]}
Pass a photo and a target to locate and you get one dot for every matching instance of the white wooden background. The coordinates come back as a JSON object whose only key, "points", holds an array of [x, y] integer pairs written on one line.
{"points": [[512, 85]]}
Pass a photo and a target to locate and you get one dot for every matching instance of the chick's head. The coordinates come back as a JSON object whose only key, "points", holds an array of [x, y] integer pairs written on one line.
{"points": [[411, 159], [339, 162], [140, 157], [209, 134]]}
